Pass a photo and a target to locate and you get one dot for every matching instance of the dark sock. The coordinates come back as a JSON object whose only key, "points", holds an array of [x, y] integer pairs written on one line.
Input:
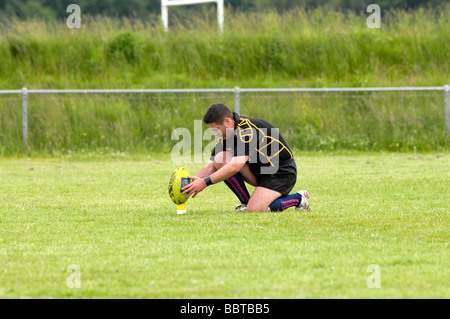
{"points": [[284, 202], [237, 185]]}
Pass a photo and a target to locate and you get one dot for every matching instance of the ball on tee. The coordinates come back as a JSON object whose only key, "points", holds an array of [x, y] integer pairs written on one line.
{"points": [[179, 179]]}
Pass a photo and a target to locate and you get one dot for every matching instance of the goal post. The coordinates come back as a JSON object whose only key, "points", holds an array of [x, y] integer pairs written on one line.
{"points": [[165, 4]]}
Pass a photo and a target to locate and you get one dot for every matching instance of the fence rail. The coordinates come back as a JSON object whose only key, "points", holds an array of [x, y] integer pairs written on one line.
{"points": [[237, 91]]}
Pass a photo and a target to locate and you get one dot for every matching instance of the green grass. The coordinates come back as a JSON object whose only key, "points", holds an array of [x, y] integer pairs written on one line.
{"points": [[60, 124], [112, 217], [297, 48]]}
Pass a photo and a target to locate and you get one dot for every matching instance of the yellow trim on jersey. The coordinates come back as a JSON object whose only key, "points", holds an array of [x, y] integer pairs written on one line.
{"points": [[245, 121]]}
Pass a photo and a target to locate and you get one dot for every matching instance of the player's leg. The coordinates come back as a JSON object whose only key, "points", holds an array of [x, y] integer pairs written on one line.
{"points": [[248, 175], [267, 200], [236, 182], [299, 200], [283, 182], [261, 199]]}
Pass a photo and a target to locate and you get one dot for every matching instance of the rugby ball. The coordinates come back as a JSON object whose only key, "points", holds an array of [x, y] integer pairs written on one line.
{"points": [[179, 179]]}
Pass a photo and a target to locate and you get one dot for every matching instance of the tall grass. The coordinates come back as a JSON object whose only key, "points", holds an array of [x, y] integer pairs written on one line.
{"points": [[138, 123], [295, 49], [270, 49]]}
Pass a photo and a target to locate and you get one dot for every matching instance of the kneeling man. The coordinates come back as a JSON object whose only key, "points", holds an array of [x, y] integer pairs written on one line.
{"points": [[253, 151]]}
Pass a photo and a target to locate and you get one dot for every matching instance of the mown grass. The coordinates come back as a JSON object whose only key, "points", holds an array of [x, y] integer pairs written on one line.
{"points": [[294, 49], [113, 218]]}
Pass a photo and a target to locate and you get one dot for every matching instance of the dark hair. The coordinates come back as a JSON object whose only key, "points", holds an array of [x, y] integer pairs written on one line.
{"points": [[217, 113]]}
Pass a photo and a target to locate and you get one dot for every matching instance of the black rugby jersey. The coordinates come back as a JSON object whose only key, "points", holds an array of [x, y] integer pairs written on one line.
{"points": [[258, 139]]}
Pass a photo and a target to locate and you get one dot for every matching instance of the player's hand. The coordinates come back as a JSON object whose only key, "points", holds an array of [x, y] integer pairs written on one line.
{"points": [[195, 187]]}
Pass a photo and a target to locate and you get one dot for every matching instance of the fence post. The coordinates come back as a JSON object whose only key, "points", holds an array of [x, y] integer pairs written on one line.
{"points": [[25, 117], [447, 108], [237, 99]]}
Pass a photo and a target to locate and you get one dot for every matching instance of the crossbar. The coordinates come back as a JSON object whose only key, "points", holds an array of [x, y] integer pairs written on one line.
{"points": [[173, 3], [165, 4]]}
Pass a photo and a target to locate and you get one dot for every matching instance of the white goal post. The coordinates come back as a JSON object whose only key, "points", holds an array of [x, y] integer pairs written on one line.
{"points": [[165, 4]]}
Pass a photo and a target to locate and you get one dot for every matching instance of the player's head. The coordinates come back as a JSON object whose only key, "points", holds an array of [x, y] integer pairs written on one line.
{"points": [[219, 119]]}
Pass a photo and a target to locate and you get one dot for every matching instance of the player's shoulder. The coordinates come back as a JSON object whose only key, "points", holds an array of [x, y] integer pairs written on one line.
{"points": [[257, 126], [243, 122], [248, 122], [245, 129]]}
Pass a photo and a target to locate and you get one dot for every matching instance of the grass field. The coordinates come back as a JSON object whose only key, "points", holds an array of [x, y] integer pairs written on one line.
{"points": [[113, 218]]}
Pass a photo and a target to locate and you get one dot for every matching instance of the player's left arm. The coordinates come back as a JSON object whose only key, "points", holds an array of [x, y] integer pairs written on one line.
{"points": [[228, 170]]}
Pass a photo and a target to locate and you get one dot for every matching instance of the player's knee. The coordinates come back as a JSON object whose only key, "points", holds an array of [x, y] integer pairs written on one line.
{"points": [[221, 159]]}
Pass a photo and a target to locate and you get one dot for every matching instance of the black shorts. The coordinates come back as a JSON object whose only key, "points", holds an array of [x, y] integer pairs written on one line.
{"points": [[283, 181]]}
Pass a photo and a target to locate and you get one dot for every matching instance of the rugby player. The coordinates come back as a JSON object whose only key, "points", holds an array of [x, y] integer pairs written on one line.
{"points": [[253, 151]]}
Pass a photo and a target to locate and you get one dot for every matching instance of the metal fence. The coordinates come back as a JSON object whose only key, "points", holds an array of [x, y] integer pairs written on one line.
{"points": [[237, 91]]}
